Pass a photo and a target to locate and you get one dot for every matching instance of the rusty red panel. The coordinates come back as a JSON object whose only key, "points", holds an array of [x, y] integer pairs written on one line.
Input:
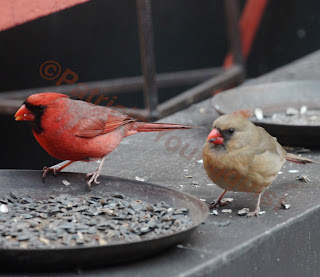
{"points": [[15, 12]]}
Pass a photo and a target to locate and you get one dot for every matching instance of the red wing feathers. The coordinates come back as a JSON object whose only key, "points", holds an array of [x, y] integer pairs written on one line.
{"points": [[91, 127]]}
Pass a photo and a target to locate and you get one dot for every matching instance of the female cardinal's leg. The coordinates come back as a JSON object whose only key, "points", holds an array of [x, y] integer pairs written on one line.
{"points": [[95, 174], [219, 203], [257, 209], [53, 169]]}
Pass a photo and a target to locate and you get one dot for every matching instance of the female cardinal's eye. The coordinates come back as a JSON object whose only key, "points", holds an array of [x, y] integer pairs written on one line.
{"points": [[231, 131]]}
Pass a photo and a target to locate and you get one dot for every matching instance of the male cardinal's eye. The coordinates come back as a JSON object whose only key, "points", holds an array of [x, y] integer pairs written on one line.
{"points": [[231, 131]]}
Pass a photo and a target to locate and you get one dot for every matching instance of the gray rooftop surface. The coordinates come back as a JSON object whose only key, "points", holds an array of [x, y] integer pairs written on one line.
{"points": [[278, 243]]}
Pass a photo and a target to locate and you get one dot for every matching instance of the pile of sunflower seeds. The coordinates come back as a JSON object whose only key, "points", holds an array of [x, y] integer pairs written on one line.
{"points": [[93, 220], [291, 116]]}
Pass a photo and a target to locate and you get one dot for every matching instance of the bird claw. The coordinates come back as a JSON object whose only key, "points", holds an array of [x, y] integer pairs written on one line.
{"points": [[93, 178], [46, 170], [254, 213], [218, 204]]}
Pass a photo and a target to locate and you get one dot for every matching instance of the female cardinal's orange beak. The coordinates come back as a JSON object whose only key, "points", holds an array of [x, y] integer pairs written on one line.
{"points": [[215, 137], [24, 114]]}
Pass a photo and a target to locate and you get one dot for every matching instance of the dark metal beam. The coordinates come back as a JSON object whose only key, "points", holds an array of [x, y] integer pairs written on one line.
{"points": [[232, 76], [123, 85], [147, 56], [232, 11], [11, 101]]}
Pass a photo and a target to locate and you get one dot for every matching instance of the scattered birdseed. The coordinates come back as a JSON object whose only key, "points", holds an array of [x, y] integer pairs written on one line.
{"points": [[280, 172], [202, 110], [83, 221], [303, 178], [303, 109], [229, 200], [210, 184], [143, 179], [293, 171], [4, 208], [243, 212], [203, 200], [13, 195], [294, 117], [102, 242], [66, 183], [224, 223], [258, 113], [261, 212], [195, 183], [226, 211], [44, 240], [189, 176], [214, 212], [199, 162], [285, 206], [291, 111]]}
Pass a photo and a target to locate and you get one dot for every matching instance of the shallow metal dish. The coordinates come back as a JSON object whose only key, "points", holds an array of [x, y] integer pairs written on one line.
{"points": [[272, 98], [30, 182]]}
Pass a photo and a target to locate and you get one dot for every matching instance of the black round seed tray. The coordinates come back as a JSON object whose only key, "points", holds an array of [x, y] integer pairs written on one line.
{"points": [[18, 184], [275, 98]]}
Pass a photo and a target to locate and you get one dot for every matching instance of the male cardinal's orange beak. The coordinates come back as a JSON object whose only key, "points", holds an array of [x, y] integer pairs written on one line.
{"points": [[215, 137], [24, 114]]}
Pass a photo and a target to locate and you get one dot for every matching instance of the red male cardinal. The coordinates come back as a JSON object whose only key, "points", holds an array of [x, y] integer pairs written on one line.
{"points": [[78, 131], [240, 156]]}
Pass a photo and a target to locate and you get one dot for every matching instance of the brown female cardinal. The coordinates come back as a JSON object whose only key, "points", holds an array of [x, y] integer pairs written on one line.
{"points": [[240, 156], [74, 130]]}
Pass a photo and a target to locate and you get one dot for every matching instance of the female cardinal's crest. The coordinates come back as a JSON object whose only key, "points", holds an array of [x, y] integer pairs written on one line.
{"points": [[243, 113]]}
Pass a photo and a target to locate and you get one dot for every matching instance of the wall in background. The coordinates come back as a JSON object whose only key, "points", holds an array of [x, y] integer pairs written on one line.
{"points": [[99, 40]]}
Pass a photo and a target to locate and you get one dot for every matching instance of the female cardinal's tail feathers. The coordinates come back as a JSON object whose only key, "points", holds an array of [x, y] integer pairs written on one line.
{"points": [[297, 159], [155, 127]]}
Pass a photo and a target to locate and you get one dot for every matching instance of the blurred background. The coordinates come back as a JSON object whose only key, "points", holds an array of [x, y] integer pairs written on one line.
{"points": [[99, 40]]}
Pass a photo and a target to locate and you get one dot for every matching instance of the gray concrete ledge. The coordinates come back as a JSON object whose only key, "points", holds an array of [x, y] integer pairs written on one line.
{"points": [[278, 243]]}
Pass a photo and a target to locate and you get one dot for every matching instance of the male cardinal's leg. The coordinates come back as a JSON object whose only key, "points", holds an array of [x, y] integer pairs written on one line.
{"points": [[95, 174], [53, 169], [219, 203], [257, 209]]}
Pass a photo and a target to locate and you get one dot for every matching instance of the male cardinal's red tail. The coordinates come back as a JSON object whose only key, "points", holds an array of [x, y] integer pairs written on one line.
{"points": [[155, 127], [297, 159]]}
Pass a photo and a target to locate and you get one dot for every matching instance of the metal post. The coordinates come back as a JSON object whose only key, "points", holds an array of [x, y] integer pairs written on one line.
{"points": [[147, 57], [232, 15]]}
